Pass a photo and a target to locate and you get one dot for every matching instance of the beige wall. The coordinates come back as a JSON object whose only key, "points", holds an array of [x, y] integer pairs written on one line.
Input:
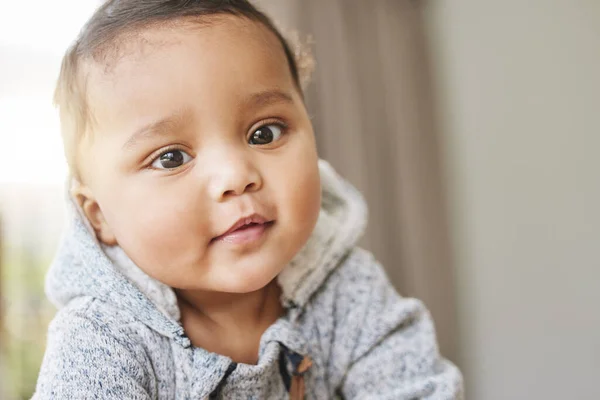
{"points": [[518, 86]]}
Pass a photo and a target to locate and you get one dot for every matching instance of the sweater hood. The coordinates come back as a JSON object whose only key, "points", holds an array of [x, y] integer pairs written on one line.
{"points": [[85, 268]]}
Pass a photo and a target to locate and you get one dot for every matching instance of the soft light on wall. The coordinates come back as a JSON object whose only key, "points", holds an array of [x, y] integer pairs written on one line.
{"points": [[33, 38]]}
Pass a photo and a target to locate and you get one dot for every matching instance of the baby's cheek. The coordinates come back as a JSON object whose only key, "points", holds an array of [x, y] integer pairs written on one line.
{"points": [[160, 241], [303, 200]]}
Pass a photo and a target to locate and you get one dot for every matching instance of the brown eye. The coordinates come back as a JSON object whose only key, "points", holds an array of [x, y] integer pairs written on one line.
{"points": [[265, 134], [171, 159]]}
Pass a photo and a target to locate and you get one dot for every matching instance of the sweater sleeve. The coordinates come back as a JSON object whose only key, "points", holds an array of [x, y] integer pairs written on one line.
{"points": [[394, 352], [85, 359]]}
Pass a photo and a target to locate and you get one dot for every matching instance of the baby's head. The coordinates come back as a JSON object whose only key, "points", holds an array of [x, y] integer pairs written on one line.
{"points": [[179, 119]]}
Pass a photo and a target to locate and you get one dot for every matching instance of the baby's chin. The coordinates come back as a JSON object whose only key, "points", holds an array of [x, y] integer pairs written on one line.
{"points": [[246, 286], [246, 279]]}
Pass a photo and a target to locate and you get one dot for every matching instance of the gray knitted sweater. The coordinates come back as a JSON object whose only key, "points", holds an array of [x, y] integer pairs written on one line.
{"points": [[117, 333]]}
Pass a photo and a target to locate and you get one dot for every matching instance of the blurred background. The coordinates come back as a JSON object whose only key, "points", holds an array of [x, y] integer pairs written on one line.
{"points": [[473, 129]]}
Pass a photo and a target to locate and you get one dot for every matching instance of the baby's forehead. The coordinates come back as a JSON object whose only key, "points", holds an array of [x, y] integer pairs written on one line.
{"points": [[135, 47], [164, 70]]}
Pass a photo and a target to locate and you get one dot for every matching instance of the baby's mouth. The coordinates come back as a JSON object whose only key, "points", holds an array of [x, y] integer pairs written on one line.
{"points": [[245, 230]]}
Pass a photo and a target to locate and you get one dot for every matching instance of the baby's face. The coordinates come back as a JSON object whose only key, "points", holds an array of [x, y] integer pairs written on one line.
{"points": [[194, 130]]}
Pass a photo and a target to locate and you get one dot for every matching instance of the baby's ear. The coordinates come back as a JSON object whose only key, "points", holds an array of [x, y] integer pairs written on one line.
{"points": [[91, 210]]}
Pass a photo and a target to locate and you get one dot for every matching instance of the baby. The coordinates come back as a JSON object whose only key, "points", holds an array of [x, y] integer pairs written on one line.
{"points": [[210, 253]]}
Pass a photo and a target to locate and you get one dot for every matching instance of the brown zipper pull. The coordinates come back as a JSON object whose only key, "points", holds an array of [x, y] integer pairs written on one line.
{"points": [[297, 387]]}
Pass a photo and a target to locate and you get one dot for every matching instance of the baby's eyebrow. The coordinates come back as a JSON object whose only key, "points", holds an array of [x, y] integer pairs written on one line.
{"points": [[159, 127], [257, 100], [269, 96]]}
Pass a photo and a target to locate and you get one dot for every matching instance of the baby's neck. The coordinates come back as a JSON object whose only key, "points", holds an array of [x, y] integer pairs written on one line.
{"points": [[230, 324]]}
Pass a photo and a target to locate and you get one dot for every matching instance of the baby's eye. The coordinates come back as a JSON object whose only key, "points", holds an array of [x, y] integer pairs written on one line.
{"points": [[266, 134], [171, 159]]}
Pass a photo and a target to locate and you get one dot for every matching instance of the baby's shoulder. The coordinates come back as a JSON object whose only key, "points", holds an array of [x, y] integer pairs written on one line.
{"points": [[349, 284], [358, 270], [358, 286], [88, 317], [95, 348], [92, 313]]}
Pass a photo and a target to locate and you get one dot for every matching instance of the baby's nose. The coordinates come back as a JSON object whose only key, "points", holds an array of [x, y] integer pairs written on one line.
{"points": [[234, 177]]}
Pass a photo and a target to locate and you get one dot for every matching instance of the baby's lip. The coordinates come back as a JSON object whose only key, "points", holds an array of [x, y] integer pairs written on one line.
{"points": [[244, 221]]}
